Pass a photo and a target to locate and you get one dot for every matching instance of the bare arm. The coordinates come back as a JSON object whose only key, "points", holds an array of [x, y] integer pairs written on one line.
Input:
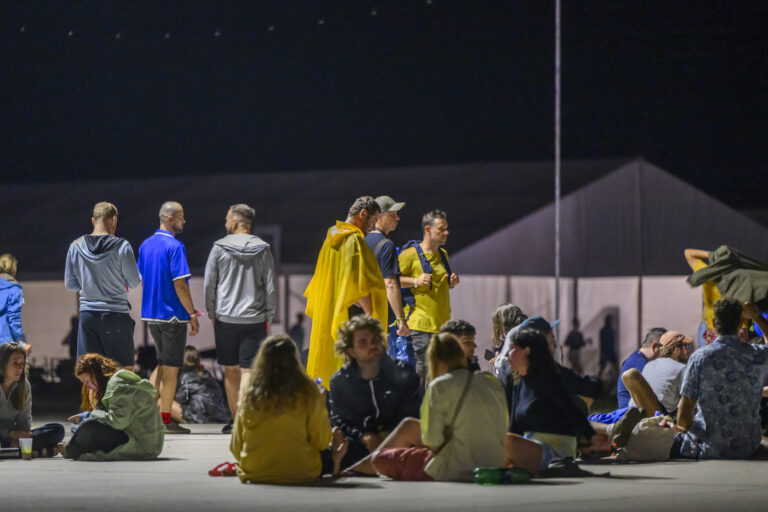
{"points": [[185, 296], [685, 413], [365, 303], [413, 282], [395, 299], [693, 255]]}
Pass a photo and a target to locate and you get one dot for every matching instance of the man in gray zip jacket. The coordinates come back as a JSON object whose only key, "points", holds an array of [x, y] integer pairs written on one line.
{"points": [[240, 298], [100, 267]]}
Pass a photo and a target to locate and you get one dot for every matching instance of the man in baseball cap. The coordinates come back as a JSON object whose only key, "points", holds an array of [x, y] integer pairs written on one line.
{"points": [[386, 255]]}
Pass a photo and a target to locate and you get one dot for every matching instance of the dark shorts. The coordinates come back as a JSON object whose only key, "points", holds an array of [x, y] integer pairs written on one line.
{"points": [[170, 339], [107, 333], [237, 344], [404, 463]]}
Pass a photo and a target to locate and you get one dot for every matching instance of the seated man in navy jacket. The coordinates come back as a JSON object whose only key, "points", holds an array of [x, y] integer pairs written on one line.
{"points": [[371, 393]]}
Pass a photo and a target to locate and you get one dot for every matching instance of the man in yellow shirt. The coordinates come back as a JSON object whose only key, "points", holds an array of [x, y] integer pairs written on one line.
{"points": [[346, 273], [424, 267]]}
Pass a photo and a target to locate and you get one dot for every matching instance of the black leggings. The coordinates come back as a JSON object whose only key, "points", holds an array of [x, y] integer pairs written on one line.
{"points": [[95, 436]]}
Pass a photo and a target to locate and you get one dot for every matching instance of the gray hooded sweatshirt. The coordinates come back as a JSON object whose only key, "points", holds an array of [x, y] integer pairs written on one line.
{"points": [[240, 280], [100, 268]]}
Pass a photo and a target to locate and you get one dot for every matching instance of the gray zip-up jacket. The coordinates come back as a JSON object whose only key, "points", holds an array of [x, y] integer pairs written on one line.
{"points": [[12, 418], [240, 280], [100, 267]]}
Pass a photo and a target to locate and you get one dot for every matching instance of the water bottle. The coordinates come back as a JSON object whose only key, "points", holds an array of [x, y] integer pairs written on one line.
{"points": [[495, 476], [404, 350]]}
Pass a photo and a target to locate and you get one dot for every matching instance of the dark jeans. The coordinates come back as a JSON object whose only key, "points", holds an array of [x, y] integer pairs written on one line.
{"points": [[95, 436], [107, 333], [48, 436]]}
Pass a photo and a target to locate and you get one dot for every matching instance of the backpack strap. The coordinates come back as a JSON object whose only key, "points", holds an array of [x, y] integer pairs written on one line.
{"points": [[448, 429]]}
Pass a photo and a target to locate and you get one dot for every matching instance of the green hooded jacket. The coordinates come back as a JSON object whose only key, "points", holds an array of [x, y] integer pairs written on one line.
{"points": [[129, 404]]}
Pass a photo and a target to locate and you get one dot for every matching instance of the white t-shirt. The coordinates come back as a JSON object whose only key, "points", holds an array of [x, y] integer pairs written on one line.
{"points": [[665, 376]]}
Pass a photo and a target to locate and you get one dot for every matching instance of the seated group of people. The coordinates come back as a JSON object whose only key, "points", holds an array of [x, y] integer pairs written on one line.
{"points": [[377, 418]]}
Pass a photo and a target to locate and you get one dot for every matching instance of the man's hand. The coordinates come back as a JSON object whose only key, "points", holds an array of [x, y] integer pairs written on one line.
{"points": [[20, 434], [454, 280], [750, 311], [403, 329], [194, 326], [371, 441], [424, 280], [213, 322]]}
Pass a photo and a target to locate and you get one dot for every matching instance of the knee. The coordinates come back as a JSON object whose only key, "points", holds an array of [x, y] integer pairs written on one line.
{"points": [[631, 375], [57, 431]]}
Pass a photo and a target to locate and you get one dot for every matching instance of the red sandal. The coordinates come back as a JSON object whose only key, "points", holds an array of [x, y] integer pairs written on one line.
{"points": [[224, 469]]}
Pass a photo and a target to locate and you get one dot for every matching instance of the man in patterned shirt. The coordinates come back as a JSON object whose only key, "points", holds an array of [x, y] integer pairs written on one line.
{"points": [[726, 378]]}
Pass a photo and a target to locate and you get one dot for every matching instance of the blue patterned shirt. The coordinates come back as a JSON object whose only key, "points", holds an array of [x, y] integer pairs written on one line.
{"points": [[726, 378]]}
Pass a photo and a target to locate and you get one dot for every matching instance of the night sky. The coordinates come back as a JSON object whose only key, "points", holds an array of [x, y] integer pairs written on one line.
{"points": [[179, 88]]}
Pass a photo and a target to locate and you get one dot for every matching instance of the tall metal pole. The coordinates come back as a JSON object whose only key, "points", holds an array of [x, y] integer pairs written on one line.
{"points": [[557, 170]]}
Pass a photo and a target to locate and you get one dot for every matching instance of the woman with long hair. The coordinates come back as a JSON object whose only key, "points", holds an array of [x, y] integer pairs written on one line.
{"points": [[11, 300], [16, 405], [506, 317], [120, 418], [545, 423], [463, 423], [281, 433]]}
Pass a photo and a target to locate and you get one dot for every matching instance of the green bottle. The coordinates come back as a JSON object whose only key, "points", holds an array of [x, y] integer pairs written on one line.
{"points": [[495, 476]]}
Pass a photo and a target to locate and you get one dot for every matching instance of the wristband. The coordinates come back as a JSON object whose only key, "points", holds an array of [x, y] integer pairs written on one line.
{"points": [[401, 319]]}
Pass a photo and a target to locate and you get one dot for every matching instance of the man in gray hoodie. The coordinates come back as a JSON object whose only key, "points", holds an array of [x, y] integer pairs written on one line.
{"points": [[240, 298], [100, 267]]}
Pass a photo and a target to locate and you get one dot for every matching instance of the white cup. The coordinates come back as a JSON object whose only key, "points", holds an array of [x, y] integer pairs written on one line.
{"points": [[25, 443]]}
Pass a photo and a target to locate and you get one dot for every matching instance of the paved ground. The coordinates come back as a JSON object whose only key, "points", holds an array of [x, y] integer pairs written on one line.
{"points": [[179, 481]]}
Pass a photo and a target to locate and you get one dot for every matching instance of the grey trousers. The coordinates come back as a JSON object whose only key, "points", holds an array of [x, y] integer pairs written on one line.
{"points": [[420, 341]]}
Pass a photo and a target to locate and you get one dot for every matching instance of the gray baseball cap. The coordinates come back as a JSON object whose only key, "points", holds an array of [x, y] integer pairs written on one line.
{"points": [[387, 204]]}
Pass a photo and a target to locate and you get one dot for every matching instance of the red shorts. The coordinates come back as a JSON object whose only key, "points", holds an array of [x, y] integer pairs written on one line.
{"points": [[404, 463]]}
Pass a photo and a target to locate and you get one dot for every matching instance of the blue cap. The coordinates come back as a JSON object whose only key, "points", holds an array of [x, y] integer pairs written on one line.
{"points": [[538, 323]]}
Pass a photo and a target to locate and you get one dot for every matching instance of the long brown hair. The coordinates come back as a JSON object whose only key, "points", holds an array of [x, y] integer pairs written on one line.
{"points": [[277, 380], [18, 396], [100, 368], [505, 318]]}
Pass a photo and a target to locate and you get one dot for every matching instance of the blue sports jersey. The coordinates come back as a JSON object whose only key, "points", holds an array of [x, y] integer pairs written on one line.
{"points": [[162, 260]]}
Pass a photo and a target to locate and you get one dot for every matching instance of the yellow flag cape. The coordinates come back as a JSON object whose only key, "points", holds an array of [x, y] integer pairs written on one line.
{"points": [[346, 271]]}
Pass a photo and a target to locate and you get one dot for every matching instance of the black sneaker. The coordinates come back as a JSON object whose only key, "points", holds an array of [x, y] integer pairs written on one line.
{"points": [[622, 430], [227, 429], [174, 428]]}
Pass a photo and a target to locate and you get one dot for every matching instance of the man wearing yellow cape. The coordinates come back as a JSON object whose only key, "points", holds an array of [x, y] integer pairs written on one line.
{"points": [[346, 273]]}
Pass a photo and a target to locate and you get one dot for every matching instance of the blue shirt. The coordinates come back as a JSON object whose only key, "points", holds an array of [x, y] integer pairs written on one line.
{"points": [[162, 260], [636, 360], [726, 378], [387, 259]]}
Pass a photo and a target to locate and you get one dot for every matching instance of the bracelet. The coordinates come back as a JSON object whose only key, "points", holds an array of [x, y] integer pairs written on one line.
{"points": [[193, 314], [401, 319]]}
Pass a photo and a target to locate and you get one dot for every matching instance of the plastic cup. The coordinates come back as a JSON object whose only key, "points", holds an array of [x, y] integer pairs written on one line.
{"points": [[25, 443]]}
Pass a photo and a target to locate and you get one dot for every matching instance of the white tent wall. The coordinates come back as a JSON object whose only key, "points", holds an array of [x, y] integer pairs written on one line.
{"points": [[596, 296], [475, 300], [297, 283], [670, 302]]}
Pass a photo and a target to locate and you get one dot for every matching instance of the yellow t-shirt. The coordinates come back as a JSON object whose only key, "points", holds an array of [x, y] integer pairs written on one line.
{"points": [[710, 295], [433, 305]]}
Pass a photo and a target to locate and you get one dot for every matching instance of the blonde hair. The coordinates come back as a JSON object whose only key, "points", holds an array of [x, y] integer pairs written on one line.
{"points": [[277, 381], [104, 210], [444, 348], [8, 263]]}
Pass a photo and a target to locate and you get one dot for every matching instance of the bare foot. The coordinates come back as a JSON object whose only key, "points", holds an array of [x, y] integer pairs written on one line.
{"points": [[339, 445]]}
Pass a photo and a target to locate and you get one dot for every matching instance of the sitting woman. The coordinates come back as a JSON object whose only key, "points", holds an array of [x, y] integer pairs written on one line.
{"points": [[120, 419], [198, 394], [281, 433], [545, 424], [463, 423], [16, 405]]}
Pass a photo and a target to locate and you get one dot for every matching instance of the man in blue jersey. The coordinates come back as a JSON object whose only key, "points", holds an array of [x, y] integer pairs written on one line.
{"points": [[167, 303], [648, 351]]}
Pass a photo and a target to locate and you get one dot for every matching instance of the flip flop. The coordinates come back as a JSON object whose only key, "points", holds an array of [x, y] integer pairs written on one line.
{"points": [[224, 469]]}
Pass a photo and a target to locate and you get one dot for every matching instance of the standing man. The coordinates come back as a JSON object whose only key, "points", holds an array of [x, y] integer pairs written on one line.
{"points": [[166, 303], [240, 298], [425, 268], [575, 342], [346, 273], [100, 267], [386, 255]]}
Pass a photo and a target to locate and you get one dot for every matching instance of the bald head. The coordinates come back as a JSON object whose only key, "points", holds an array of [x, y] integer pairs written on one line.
{"points": [[172, 217]]}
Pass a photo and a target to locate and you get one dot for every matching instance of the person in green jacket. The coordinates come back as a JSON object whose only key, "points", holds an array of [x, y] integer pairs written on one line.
{"points": [[120, 418]]}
